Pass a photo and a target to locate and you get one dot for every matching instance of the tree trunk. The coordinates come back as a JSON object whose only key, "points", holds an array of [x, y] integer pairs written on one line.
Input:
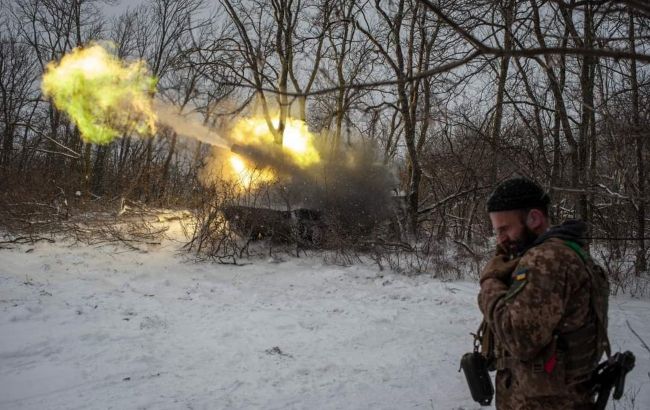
{"points": [[587, 118], [165, 171], [495, 133], [98, 173], [641, 262]]}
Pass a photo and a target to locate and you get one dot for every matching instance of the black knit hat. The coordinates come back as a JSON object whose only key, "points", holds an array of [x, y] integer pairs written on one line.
{"points": [[517, 193]]}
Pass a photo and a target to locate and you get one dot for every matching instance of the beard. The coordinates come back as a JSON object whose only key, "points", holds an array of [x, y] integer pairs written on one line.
{"points": [[527, 238]]}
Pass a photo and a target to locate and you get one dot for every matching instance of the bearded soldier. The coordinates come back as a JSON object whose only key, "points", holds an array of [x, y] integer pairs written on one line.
{"points": [[544, 301]]}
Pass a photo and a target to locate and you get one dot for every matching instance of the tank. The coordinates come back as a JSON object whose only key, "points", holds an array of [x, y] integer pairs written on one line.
{"points": [[303, 226]]}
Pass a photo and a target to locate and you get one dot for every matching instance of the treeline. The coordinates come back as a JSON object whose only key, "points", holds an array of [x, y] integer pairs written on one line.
{"points": [[457, 94]]}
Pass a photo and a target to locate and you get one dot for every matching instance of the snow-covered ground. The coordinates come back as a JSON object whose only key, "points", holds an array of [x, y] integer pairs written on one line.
{"points": [[105, 328]]}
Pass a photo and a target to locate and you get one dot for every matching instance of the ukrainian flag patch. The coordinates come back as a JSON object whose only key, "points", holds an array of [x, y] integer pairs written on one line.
{"points": [[520, 280], [520, 274]]}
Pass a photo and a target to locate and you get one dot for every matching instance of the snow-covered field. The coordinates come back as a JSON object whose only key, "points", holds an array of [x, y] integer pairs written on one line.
{"points": [[105, 328]]}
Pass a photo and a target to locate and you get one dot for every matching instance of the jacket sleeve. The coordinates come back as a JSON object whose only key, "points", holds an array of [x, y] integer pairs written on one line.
{"points": [[524, 315]]}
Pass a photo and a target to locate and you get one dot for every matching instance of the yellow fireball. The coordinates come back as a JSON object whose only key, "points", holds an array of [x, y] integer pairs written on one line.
{"points": [[103, 96]]}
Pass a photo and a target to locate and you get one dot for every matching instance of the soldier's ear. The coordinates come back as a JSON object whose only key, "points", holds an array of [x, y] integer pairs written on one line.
{"points": [[534, 219]]}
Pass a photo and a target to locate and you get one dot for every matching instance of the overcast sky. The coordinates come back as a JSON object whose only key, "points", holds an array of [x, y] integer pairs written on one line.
{"points": [[120, 5]]}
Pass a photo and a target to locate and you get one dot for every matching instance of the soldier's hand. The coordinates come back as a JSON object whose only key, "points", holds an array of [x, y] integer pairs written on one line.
{"points": [[499, 267], [501, 250]]}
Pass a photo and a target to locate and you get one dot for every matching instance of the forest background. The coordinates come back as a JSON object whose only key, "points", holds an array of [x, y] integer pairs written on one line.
{"points": [[453, 97]]}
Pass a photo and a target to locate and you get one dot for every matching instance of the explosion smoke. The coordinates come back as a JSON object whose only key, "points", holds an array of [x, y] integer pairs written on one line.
{"points": [[350, 186], [256, 159], [108, 98], [186, 125], [297, 141], [102, 95]]}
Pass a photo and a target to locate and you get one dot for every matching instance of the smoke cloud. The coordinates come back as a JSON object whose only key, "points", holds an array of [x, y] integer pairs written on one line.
{"points": [[187, 125], [104, 96], [351, 187], [108, 98]]}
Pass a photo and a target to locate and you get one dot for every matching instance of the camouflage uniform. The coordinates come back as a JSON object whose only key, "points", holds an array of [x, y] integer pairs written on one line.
{"points": [[529, 303]]}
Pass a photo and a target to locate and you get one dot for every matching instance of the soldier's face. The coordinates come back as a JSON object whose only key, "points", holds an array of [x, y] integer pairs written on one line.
{"points": [[512, 231]]}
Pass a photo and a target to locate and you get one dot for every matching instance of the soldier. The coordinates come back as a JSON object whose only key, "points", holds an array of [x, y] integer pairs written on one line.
{"points": [[544, 301]]}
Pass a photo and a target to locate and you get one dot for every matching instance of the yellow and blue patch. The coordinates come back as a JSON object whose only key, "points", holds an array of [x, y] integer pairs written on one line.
{"points": [[520, 279]]}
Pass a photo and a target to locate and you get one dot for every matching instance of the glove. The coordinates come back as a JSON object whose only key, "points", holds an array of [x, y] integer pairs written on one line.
{"points": [[499, 267]]}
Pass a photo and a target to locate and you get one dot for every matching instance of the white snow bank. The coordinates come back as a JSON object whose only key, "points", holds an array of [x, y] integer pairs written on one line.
{"points": [[104, 328]]}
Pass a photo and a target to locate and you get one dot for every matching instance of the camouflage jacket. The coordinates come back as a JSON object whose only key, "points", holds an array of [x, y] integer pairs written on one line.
{"points": [[548, 295]]}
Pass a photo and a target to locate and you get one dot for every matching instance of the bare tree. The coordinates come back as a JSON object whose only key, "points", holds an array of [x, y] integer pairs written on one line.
{"points": [[641, 263], [406, 46], [18, 76], [163, 34]]}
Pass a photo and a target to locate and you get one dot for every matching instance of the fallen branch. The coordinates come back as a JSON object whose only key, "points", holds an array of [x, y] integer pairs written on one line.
{"points": [[20, 240], [391, 245], [637, 335]]}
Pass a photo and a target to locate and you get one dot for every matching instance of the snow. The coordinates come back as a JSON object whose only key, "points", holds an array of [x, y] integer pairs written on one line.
{"points": [[85, 327]]}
